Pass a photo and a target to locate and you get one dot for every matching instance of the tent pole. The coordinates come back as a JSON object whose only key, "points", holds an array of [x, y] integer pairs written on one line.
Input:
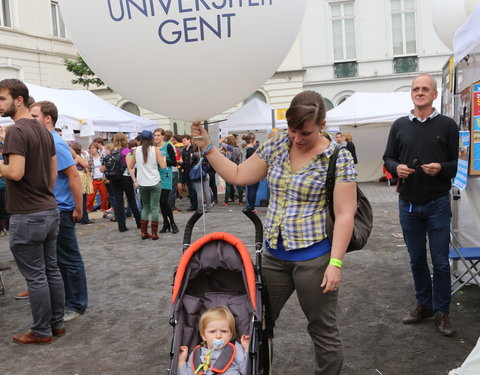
{"points": [[273, 118]]}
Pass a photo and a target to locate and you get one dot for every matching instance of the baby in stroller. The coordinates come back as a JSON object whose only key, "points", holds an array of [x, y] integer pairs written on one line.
{"points": [[218, 352]]}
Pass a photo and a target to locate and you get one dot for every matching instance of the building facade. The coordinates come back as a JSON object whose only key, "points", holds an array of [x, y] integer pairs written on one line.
{"points": [[345, 46], [368, 46]]}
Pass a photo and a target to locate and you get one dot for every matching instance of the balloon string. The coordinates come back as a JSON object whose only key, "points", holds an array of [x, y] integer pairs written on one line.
{"points": [[201, 188]]}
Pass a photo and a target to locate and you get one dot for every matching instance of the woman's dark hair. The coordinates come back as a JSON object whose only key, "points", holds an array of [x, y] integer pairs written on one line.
{"points": [[306, 106], [146, 143], [249, 138]]}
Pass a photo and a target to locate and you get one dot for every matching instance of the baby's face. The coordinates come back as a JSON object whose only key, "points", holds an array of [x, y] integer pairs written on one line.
{"points": [[215, 330]]}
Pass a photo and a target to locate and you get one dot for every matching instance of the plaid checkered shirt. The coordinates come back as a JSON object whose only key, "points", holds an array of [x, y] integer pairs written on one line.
{"points": [[297, 205]]}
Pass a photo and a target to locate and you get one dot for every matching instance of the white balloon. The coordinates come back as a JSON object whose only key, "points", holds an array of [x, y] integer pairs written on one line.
{"points": [[448, 16], [186, 59], [470, 6]]}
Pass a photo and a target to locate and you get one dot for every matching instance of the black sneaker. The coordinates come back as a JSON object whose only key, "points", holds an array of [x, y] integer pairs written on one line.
{"points": [[418, 314], [443, 324]]}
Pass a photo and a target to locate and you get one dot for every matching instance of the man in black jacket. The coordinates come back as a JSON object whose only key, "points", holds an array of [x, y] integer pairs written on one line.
{"points": [[422, 150]]}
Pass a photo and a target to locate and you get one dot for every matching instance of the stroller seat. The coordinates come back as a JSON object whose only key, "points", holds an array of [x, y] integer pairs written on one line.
{"points": [[216, 270]]}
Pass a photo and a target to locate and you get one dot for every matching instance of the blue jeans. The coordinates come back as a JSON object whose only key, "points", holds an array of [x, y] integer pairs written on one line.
{"points": [[71, 265], [433, 219], [33, 239], [252, 195]]}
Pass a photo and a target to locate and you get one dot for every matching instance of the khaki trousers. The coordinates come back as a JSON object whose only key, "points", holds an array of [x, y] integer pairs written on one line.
{"points": [[281, 279]]}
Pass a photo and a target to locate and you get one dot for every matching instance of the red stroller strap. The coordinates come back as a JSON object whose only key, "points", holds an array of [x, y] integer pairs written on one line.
{"points": [[222, 363]]}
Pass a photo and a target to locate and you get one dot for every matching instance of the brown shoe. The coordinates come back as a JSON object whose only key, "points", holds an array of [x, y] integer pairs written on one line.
{"points": [[418, 314], [30, 338], [59, 332], [22, 295], [443, 324]]}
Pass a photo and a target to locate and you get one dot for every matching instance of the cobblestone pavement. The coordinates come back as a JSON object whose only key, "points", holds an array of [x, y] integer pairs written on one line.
{"points": [[125, 329]]}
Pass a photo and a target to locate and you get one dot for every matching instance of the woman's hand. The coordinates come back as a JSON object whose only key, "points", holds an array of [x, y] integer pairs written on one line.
{"points": [[197, 130], [331, 279]]}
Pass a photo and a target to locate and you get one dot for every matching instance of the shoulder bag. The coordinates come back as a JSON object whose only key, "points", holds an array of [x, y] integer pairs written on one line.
{"points": [[363, 220]]}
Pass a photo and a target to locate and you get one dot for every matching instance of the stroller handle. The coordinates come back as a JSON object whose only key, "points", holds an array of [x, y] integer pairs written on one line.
{"points": [[257, 223], [187, 236]]}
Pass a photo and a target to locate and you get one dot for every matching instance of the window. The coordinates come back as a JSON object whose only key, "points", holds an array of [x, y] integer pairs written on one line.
{"points": [[346, 69], [258, 95], [5, 15], [328, 104], [57, 21], [9, 71], [403, 27], [343, 30], [405, 64], [131, 107]]}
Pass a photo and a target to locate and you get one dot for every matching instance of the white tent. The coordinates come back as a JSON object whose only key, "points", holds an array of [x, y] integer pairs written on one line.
{"points": [[368, 116], [77, 106], [255, 115], [466, 41]]}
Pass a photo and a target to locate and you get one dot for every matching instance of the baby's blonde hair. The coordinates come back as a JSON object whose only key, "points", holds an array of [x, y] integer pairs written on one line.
{"points": [[217, 313]]}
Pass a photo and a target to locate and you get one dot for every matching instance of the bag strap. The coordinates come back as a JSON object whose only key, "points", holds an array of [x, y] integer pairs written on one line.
{"points": [[330, 181]]}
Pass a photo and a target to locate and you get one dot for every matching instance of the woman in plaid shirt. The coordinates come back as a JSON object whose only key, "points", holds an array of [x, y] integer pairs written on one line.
{"points": [[299, 255]]}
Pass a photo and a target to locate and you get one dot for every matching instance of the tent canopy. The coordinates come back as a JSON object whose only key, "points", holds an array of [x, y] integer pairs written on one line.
{"points": [[255, 115], [363, 108], [76, 106], [467, 38]]}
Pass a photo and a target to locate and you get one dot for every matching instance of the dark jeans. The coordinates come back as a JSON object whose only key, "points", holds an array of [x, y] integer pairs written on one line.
{"points": [[213, 185], [4, 216], [252, 195], [124, 185], [418, 221], [33, 242], [71, 265], [192, 195], [84, 210], [111, 196]]}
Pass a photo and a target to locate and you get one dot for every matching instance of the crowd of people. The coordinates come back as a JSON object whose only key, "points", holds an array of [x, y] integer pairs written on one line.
{"points": [[40, 169]]}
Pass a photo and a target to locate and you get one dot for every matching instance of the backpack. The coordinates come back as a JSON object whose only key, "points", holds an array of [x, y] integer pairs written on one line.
{"points": [[235, 155], [114, 167]]}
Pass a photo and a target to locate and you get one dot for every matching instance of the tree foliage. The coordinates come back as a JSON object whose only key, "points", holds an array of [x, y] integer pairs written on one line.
{"points": [[85, 76]]}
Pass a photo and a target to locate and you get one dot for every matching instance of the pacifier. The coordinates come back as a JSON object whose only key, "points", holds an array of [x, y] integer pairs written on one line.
{"points": [[217, 343]]}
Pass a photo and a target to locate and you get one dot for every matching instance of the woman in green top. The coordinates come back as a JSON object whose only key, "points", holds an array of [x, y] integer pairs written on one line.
{"points": [[167, 151]]}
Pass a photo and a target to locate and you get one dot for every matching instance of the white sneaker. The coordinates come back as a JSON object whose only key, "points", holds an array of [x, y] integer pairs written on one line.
{"points": [[70, 315]]}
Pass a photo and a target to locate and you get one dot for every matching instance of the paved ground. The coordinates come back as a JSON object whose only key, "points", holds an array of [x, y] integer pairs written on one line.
{"points": [[126, 331]]}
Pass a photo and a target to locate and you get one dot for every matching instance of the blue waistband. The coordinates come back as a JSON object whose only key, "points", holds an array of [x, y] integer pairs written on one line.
{"points": [[306, 253]]}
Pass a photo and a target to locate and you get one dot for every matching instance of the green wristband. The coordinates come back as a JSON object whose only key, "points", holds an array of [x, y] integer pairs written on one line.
{"points": [[336, 262]]}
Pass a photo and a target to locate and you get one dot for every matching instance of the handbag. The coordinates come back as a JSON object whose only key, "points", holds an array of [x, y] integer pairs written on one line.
{"points": [[363, 220], [197, 172]]}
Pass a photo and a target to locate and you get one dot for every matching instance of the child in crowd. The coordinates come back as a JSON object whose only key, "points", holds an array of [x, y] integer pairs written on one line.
{"points": [[217, 329]]}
